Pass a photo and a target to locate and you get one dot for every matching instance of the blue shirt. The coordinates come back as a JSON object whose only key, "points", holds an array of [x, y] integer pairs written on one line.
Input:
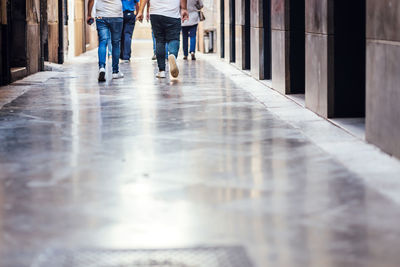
{"points": [[129, 5]]}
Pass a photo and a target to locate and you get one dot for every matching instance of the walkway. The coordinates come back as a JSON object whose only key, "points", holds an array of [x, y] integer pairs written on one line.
{"points": [[198, 161]]}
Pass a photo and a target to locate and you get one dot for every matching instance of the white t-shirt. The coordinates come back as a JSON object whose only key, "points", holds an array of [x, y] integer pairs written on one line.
{"points": [[168, 8], [109, 8]]}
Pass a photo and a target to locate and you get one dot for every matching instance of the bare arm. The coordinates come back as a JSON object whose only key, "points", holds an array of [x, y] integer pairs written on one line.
{"points": [[148, 11], [90, 8], [139, 16], [184, 11], [183, 4], [137, 6]]}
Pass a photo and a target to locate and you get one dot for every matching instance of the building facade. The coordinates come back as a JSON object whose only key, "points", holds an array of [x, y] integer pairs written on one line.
{"points": [[342, 55], [35, 31]]}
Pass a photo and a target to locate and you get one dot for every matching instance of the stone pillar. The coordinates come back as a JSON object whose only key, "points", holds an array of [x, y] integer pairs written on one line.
{"points": [[288, 56], [240, 34], [382, 78], [53, 30], [230, 30], [221, 28], [33, 36], [319, 56], [335, 57], [258, 38]]}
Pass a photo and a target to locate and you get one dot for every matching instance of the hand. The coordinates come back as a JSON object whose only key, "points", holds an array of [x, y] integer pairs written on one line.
{"points": [[90, 20], [184, 14], [139, 16], [148, 17]]}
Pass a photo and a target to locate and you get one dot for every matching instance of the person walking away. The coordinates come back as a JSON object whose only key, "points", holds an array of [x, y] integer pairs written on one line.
{"points": [[152, 35], [189, 28], [166, 17], [109, 18], [109, 46], [129, 8]]}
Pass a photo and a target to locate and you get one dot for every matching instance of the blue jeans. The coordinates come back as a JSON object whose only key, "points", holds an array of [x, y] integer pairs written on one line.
{"points": [[127, 32], [166, 30], [114, 26], [154, 46], [189, 31]]}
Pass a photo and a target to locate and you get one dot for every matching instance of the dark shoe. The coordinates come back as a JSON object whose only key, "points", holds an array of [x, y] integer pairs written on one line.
{"points": [[154, 57], [193, 56], [185, 58]]}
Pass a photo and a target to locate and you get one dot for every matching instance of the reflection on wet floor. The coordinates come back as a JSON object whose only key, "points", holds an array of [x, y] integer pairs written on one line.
{"points": [[143, 163]]}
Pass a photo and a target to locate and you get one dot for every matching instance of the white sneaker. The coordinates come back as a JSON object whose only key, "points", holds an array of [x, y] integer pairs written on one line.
{"points": [[118, 75], [126, 61], [173, 67], [102, 75], [161, 74]]}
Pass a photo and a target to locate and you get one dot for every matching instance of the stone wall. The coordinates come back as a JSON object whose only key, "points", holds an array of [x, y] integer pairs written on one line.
{"points": [[383, 79]]}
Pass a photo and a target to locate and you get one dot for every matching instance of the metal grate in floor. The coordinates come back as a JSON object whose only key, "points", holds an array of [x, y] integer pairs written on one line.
{"points": [[188, 257]]}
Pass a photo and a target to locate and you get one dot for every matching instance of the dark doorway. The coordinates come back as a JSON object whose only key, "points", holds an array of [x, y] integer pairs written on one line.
{"points": [[18, 44], [349, 58], [5, 75], [44, 34], [62, 4], [267, 39], [222, 28], [232, 31], [247, 33], [297, 47]]}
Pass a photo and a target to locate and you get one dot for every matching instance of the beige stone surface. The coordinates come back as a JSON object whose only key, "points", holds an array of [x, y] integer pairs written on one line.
{"points": [[3, 12]]}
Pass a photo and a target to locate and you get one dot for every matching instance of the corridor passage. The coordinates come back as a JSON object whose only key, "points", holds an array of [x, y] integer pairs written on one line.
{"points": [[141, 163]]}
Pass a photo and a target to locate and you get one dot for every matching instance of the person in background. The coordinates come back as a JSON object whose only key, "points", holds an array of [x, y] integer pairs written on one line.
{"points": [[189, 28], [129, 8], [166, 17], [109, 18]]}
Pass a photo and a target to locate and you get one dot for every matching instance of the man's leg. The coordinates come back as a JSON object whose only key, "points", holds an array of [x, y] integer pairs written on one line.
{"points": [[129, 26], [109, 45], [159, 34], [103, 33], [154, 42], [116, 25], [193, 34], [185, 34], [121, 47], [173, 34]]}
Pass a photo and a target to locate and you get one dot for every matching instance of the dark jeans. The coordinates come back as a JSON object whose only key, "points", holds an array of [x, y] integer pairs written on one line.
{"points": [[166, 31], [189, 31], [105, 26], [154, 45], [127, 32]]}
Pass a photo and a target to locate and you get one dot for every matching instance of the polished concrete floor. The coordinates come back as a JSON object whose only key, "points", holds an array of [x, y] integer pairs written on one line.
{"points": [[198, 161]]}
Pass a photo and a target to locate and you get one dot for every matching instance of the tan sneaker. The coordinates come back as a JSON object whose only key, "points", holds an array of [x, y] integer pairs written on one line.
{"points": [[173, 67]]}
